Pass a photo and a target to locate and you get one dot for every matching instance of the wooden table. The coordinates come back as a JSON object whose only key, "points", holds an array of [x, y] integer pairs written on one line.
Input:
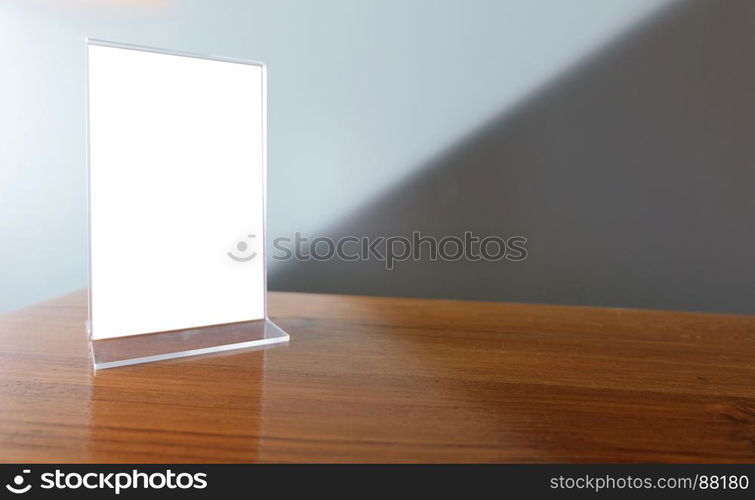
{"points": [[383, 379]]}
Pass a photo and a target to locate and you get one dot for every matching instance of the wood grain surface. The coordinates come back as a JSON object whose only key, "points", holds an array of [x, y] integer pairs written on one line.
{"points": [[399, 380]]}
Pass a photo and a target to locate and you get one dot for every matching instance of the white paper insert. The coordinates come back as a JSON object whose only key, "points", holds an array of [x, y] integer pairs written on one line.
{"points": [[177, 166]]}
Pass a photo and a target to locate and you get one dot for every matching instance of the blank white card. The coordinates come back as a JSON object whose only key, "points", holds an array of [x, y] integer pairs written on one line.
{"points": [[176, 186]]}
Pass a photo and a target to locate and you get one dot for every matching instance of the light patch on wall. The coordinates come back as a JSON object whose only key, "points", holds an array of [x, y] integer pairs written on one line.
{"points": [[124, 4]]}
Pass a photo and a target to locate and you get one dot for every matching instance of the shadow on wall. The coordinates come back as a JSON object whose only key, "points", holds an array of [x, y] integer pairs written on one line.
{"points": [[632, 179]]}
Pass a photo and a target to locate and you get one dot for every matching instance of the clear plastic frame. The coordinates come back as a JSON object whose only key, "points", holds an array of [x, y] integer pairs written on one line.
{"points": [[176, 153]]}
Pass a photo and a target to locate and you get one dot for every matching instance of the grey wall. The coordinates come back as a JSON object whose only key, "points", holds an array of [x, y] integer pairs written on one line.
{"points": [[631, 175], [611, 133]]}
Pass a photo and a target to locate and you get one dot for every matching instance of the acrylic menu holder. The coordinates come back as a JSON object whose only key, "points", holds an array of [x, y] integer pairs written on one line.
{"points": [[176, 150]]}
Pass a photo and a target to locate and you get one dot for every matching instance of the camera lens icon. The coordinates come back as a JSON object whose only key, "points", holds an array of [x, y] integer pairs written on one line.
{"points": [[242, 247], [18, 481]]}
